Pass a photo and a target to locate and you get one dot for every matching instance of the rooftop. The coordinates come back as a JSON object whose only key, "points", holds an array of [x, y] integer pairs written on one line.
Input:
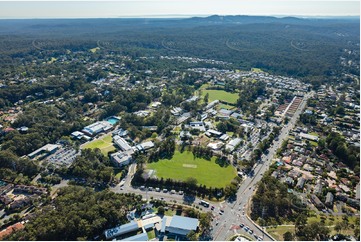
{"points": [[184, 223]]}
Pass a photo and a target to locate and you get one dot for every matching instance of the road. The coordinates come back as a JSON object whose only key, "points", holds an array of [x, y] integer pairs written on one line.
{"points": [[226, 223], [233, 214]]}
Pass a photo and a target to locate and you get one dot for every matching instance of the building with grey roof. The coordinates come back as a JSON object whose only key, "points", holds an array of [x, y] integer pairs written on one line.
{"points": [[121, 143], [300, 182], [317, 202], [138, 237], [123, 229], [182, 225], [318, 188], [232, 144], [98, 127], [121, 158], [329, 199]]}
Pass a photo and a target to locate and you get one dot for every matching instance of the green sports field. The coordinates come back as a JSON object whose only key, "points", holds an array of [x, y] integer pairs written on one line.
{"points": [[183, 165], [220, 95], [105, 144]]}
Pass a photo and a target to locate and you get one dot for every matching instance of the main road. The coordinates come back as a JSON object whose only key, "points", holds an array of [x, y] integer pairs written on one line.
{"points": [[235, 212]]}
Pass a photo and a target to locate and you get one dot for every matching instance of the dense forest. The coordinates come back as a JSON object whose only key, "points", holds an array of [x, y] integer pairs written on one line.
{"points": [[78, 214], [308, 48]]}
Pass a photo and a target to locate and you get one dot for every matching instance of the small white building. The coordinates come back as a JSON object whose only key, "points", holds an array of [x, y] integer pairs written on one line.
{"points": [[215, 145]]}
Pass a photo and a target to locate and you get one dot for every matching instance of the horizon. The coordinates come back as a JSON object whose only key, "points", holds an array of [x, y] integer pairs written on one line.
{"points": [[175, 8], [185, 16]]}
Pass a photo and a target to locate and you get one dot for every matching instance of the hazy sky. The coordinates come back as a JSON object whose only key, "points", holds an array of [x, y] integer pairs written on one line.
{"points": [[156, 8]]}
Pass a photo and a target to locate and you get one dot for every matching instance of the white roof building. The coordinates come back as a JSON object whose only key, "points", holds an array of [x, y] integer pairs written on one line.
{"points": [[308, 136], [232, 144], [47, 149], [121, 143], [121, 158], [215, 145], [97, 128]]}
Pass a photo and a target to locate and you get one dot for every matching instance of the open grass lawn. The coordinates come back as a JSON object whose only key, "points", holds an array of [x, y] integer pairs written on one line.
{"points": [[220, 95], [184, 165], [104, 144], [330, 221], [225, 106], [151, 234], [118, 175], [278, 232]]}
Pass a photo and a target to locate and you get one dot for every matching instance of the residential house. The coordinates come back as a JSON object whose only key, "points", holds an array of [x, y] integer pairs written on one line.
{"points": [[317, 202], [329, 199], [300, 182]]}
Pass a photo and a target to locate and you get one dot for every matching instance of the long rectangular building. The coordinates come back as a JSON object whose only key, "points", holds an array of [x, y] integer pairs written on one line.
{"points": [[121, 143], [123, 229]]}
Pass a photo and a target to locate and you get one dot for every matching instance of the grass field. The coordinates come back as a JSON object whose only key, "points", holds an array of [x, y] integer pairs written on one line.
{"points": [[183, 166], [104, 144], [225, 106], [220, 95]]}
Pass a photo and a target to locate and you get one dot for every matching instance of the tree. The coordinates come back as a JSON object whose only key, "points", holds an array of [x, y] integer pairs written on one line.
{"points": [[288, 236], [192, 236], [161, 210], [191, 181], [206, 97]]}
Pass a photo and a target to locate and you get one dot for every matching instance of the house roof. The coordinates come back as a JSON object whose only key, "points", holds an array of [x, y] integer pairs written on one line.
{"points": [[184, 223], [9, 230]]}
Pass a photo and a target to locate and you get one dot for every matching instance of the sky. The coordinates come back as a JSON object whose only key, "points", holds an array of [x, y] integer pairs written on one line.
{"points": [[175, 8]]}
